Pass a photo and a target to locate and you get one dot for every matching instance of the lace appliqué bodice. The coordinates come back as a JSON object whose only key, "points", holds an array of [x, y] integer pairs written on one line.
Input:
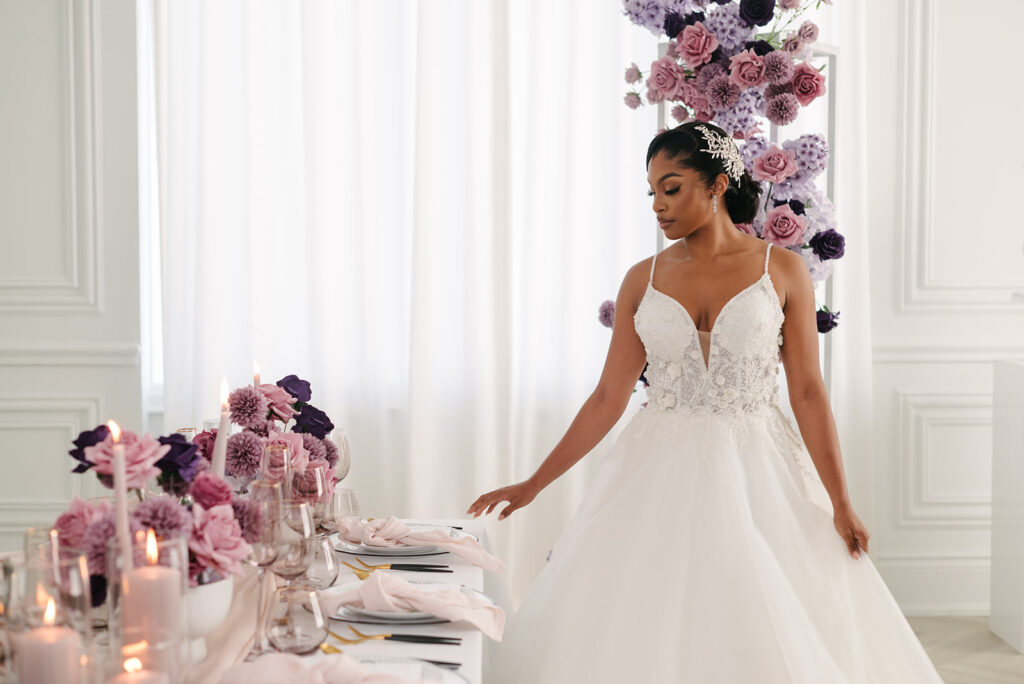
{"points": [[741, 375]]}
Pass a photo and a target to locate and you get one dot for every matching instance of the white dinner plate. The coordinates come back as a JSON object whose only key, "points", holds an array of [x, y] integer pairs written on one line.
{"points": [[353, 613], [345, 546], [410, 669]]}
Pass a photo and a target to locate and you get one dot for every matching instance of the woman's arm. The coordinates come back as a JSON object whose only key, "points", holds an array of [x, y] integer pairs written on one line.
{"points": [[599, 412], [807, 393]]}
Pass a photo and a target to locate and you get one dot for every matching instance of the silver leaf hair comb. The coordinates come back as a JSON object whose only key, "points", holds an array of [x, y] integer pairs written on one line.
{"points": [[721, 147]]}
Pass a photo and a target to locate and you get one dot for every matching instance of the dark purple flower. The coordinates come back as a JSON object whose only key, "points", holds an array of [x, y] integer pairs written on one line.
{"points": [[757, 12], [242, 456], [314, 421], [760, 47], [673, 24], [606, 313], [168, 518], [692, 18], [828, 244], [296, 387], [248, 406], [796, 205], [85, 439], [827, 320], [182, 459]]}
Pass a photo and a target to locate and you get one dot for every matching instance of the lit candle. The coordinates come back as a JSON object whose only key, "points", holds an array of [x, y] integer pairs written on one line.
{"points": [[124, 539], [49, 653], [152, 598], [220, 445], [134, 674], [255, 374]]}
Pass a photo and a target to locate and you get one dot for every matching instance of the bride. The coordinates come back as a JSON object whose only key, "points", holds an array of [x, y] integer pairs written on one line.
{"points": [[708, 548]]}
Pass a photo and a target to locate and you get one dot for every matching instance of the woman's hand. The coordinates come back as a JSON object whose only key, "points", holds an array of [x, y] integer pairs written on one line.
{"points": [[851, 529], [517, 495]]}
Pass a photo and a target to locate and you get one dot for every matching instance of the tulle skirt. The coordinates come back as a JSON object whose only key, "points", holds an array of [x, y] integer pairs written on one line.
{"points": [[705, 552]]}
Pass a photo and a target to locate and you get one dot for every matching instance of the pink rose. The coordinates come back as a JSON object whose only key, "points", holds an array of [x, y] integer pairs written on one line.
{"points": [[793, 45], [71, 524], [632, 100], [789, 4], [632, 73], [680, 114], [746, 69], [140, 455], [208, 490], [217, 541], [293, 440], [808, 32], [695, 100], [696, 45], [205, 440], [279, 400], [783, 228], [808, 83], [747, 228], [775, 165], [665, 81]]}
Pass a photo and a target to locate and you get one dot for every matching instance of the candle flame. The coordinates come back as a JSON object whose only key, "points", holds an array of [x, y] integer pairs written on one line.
{"points": [[115, 431], [50, 614], [224, 391], [152, 555], [132, 665], [255, 369]]}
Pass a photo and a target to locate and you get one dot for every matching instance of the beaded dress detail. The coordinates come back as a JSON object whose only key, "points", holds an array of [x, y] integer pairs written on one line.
{"points": [[704, 550]]}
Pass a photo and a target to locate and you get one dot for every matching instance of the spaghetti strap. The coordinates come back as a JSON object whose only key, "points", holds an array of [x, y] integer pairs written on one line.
{"points": [[767, 254], [654, 260]]}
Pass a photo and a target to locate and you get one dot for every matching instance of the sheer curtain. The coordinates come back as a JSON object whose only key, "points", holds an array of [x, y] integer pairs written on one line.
{"points": [[416, 206]]}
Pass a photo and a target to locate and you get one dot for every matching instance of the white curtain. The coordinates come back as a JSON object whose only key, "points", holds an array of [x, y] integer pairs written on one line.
{"points": [[416, 206]]}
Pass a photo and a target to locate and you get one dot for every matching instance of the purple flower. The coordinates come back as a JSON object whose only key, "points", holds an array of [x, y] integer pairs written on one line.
{"points": [[782, 109], [778, 69], [296, 387], [760, 47], [205, 440], [828, 244], [242, 458], [757, 12], [722, 93], [811, 156], [741, 120], [168, 518], [178, 466], [673, 24], [315, 447], [313, 421], [85, 439], [606, 313], [827, 320], [731, 31], [94, 541], [248, 406], [707, 73], [752, 149], [330, 452]]}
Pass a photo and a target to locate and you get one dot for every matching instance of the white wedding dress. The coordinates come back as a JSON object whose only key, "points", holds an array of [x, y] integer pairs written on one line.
{"points": [[704, 551]]}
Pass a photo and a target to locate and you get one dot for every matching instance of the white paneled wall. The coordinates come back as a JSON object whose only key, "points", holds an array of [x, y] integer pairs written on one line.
{"points": [[69, 331], [946, 256]]}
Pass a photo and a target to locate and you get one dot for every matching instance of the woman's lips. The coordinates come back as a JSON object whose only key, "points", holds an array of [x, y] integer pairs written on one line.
{"points": [[665, 223]]}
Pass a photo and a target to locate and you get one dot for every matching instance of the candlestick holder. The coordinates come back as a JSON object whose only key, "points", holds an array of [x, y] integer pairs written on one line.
{"points": [[146, 587]]}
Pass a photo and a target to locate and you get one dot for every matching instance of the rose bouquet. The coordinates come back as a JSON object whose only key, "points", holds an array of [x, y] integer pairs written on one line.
{"points": [[738, 64]]}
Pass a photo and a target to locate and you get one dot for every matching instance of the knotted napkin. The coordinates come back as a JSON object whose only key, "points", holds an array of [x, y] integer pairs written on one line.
{"points": [[391, 531], [275, 668], [386, 592]]}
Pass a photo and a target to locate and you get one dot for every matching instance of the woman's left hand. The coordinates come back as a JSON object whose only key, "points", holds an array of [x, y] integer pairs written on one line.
{"points": [[852, 530]]}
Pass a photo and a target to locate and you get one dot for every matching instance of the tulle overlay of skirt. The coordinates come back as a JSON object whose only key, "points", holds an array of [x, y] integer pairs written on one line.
{"points": [[705, 552]]}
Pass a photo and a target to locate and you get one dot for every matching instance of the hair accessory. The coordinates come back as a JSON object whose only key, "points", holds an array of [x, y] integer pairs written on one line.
{"points": [[721, 147]]}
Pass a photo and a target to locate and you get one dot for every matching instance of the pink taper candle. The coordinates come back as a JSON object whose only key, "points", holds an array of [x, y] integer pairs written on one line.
{"points": [[220, 445], [124, 539], [255, 374]]}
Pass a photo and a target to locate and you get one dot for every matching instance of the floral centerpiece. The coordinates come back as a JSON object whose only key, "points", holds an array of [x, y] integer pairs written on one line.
{"points": [[739, 64]]}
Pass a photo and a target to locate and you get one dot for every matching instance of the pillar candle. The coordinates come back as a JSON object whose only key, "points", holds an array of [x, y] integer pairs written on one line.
{"points": [[152, 599], [49, 653]]}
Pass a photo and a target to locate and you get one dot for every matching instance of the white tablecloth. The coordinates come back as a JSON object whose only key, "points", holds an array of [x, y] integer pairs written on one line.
{"points": [[232, 640]]}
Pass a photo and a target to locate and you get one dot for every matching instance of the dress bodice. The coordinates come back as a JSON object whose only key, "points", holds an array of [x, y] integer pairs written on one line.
{"points": [[741, 372]]}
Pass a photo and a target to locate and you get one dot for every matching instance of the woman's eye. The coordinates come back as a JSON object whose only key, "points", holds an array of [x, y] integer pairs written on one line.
{"points": [[650, 193], [672, 191]]}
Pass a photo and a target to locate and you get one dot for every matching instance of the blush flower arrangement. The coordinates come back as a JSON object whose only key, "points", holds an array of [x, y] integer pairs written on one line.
{"points": [[739, 64]]}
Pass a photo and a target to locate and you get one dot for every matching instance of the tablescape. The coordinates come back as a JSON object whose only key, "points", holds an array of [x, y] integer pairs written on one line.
{"points": [[388, 597], [264, 536], [358, 638], [207, 605], [298, 623], [390, 536], [339, 668], [146, 602]]}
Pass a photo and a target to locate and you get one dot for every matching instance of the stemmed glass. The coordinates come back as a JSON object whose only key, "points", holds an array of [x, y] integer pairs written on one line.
{"points": [[344, 456], [276, 466], [297, 548], [343, 506], [312, 487], [323, 568], [299, 622], [263, 533]]}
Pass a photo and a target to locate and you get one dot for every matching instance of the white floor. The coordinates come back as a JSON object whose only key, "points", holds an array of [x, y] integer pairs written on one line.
{"points": [[966, 652]]}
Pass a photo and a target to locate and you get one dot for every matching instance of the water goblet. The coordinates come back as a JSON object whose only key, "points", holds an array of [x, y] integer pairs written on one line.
{"points": [[276, 466], [341, 468], [323, 568], [344, 505], [299, 625], [263, 532], [312, 486]]}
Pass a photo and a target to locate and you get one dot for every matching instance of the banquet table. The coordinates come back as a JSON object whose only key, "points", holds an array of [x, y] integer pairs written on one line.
{"points": [[232, 640]]}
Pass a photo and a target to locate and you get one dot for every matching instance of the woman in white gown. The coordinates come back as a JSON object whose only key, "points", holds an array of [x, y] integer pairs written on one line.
{"points": [[706, 549]]}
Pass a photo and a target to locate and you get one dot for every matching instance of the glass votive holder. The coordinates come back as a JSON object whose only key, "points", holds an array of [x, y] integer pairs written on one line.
{"points": [[146, 599]]}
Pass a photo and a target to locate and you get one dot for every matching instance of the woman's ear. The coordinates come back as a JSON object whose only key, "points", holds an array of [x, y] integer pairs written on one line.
{"points": [[720, 185]]}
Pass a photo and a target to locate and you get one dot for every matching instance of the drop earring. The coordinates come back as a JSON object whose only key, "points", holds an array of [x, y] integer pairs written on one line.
{"points": [[714, 204]]}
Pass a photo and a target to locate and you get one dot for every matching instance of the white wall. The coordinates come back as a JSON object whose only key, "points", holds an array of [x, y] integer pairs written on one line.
{"points": [[69, 306], [947, 251]]}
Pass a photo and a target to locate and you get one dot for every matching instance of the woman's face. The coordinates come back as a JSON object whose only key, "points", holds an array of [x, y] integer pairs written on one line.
{"points": [[682, 202]]}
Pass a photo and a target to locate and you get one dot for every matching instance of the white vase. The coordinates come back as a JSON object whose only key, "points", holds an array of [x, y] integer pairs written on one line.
{"points": [[208, 606]]}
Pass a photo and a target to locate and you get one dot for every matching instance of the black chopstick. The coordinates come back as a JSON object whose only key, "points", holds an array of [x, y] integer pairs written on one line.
{"points": [[444, 664], [420, 568], [424, 639]]}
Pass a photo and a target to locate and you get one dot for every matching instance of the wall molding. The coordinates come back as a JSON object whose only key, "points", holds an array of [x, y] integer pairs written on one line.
{"points": [[923, 354], [126, 355], [919, 506], [921, 290], [79, 288]]}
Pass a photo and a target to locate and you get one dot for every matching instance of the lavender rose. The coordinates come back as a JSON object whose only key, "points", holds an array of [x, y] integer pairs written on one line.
{"points": [[757, 12], [828, 244], [296, 387], [808, 32], [827, 320]]}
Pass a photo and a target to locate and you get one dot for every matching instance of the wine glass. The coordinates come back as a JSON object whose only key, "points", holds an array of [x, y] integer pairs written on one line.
{"points": [[344, 456], [263, 532], [299, 624], [344, 505], [323, 568], [276, 466], [295, 553], [312, 487]]}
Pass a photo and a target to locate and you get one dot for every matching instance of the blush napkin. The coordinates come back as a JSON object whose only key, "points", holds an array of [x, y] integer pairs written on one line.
{"points": [[391, 531], [385, 592], [275, 668]]}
